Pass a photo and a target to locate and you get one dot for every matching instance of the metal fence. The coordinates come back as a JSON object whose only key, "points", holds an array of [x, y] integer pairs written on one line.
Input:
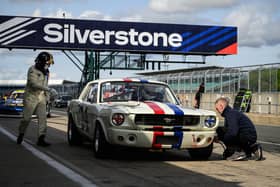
{"points": [[263, 80], [258, 78]]}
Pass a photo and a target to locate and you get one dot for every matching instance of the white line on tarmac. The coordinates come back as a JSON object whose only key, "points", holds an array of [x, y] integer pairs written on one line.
{"points": [[270, 143], [59, 111], [72, 175]]}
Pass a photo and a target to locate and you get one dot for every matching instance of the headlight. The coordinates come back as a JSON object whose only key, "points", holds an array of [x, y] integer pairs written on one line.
{"points": [[117, 119], [210, 121]]}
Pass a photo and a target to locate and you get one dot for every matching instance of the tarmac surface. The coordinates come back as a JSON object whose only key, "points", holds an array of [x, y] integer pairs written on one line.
{"points": [[62, 165], [20, 167]]}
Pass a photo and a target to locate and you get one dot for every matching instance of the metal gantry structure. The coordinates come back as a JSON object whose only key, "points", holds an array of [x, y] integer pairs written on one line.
{"points": [[96, 61]]}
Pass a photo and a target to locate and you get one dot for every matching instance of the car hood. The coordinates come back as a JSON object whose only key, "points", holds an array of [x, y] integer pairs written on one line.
{"points": [[153, 107]]}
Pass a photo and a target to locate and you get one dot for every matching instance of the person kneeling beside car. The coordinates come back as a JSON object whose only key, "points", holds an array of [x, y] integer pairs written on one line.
{"points": [[238, 134]]}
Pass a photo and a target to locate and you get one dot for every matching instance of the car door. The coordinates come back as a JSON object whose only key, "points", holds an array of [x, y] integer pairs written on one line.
{"points": [[78, 108], [90, 110]]}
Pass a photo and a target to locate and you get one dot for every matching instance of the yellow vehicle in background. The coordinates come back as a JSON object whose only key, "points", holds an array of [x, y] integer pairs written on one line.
{"points": [[13, 105]]}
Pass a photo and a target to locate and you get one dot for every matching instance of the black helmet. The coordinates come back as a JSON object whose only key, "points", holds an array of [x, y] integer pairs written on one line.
{"points": [[44, 57]]}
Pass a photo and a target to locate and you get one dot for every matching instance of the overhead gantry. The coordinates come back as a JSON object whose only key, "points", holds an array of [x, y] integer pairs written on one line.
{"points": [[117, 45]]}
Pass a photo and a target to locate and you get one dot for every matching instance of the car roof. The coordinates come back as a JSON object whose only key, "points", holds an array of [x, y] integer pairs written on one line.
{"points": [[127, 80]]}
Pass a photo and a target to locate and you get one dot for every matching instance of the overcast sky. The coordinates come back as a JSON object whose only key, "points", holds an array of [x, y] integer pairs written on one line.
{"points": [[258, 25]]}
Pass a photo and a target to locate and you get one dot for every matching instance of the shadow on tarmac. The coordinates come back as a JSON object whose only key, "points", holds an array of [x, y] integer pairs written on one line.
{"points": [[123, 168]]}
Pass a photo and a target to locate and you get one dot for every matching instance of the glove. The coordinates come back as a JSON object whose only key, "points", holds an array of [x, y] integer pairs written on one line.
{"points": [[216, 139]]}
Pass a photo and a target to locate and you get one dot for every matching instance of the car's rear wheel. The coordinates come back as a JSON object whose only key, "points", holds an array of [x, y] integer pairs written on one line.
{"points": [[101, 147], [201, 153], [73, 136]]}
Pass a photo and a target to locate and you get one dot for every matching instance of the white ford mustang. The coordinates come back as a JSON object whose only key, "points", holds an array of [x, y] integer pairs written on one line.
{"points": [[138, 113]]}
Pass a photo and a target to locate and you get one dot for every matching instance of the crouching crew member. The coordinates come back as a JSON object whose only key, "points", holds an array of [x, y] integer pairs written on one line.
{"points": [[238, 134]]}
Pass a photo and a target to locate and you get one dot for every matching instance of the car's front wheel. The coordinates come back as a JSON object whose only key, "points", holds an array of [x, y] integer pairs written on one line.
{"points": [[73, 136], [101, 147], [201, 153]]}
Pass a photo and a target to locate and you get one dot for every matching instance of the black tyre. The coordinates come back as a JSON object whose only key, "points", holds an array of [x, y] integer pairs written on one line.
{"points": [[73, 136], [201, 153], [101, 147]]}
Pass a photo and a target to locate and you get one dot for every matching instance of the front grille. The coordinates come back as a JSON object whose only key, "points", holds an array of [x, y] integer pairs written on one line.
{"points": [[166, 120]]}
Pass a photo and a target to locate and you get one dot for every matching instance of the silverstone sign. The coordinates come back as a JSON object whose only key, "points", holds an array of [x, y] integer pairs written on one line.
{"points": [[49, 33], [56, 33]]}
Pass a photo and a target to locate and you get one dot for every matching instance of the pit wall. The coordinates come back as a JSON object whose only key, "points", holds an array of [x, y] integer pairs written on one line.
{"points": [[264, 103]]}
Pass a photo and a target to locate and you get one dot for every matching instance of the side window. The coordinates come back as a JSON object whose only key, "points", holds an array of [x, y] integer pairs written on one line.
{"points": [[92, 96]]}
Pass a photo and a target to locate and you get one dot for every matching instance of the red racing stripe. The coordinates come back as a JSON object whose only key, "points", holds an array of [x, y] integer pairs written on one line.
{"points": [[127, 80], [156, 134], [155, 107]]}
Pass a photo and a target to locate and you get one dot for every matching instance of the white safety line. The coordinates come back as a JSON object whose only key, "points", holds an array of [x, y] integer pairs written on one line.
{"points": [[269, 143], [72, 175], [59, 111]]}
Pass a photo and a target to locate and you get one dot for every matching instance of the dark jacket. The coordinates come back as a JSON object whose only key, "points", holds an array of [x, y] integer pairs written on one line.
{"points": [[237, 125], [200, 91]]}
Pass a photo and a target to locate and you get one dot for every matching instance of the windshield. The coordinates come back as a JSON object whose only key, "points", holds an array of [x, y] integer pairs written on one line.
{"points": [[136, 91]]}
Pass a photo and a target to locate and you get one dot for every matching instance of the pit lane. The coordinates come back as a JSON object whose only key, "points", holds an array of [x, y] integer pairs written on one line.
{"points": [[147, 168]]}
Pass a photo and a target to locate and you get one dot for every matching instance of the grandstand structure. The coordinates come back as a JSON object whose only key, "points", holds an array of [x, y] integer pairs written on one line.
{"points": [[263, 80]]}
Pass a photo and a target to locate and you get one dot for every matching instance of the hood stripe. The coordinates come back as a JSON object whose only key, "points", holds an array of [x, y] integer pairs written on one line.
{"points": [[155, 107], [176, 109]]}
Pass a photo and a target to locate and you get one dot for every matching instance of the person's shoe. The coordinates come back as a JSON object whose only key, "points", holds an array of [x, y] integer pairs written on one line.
{"points": [[228, 152], [238, 156], [41, 141], [257, 152], [20, 138]]}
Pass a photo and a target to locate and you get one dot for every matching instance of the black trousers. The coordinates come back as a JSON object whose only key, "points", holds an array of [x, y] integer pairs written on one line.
{"points": [[242, 141]]}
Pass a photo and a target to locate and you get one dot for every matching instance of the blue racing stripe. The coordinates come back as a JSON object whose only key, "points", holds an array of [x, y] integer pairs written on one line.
{"points": [[176, 109], [178, 132], [144, 81]]}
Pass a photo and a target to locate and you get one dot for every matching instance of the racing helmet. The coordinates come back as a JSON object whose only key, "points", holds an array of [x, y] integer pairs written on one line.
{"points": [[44, 58]]}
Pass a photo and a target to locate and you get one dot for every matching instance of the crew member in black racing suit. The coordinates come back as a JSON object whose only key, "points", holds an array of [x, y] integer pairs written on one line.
{"points": [[198, 95], [238, 134]]}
